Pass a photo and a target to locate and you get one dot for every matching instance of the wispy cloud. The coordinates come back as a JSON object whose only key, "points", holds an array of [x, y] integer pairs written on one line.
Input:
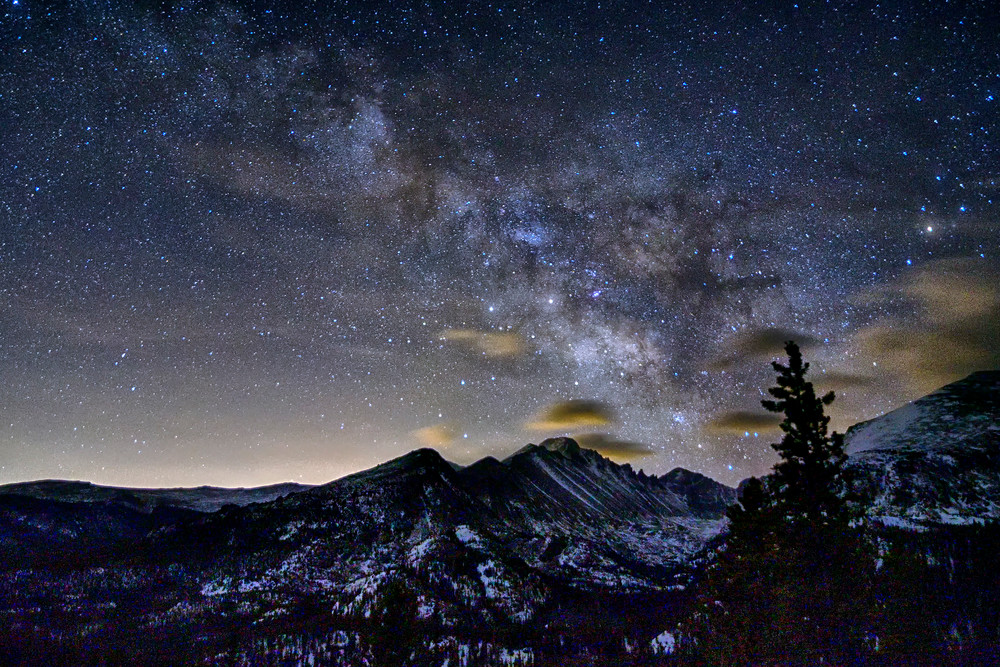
{"points": [[437, 435], [617, 450], [570, 415], [738, 422], [487, 343], [759, 343], [954, 328]]}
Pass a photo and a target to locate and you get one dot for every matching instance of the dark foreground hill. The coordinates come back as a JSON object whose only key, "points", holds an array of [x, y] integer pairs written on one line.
{"points": [[198, 499], [911, 579], [501, 558], [554, 555]]}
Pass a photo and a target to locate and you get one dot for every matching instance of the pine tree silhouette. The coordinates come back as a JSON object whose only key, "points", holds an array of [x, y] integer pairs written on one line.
{"points": [[808, 481], [790, 585]]}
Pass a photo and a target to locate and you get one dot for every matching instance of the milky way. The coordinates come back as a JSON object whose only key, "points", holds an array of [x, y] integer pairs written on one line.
{"points": [[242, 246]]}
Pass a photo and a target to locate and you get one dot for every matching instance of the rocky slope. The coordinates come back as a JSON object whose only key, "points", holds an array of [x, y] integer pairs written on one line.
{"points": [[935, 460], [550, 542], [553, 554]]}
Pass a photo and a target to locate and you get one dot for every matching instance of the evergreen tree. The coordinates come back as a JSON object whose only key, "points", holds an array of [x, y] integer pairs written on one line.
{"points": [[807, 483], [790, 584]]}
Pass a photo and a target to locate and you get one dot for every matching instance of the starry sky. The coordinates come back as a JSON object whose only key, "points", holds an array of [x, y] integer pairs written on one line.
{"points": [[243, 245]]}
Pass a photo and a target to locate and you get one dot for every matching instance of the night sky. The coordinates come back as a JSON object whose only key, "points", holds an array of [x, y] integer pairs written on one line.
{"points": [[241, 246]]}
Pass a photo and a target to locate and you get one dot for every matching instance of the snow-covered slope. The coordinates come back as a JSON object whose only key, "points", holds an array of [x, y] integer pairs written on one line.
{"points": [[964, 413], [552, 542], [935, 460], [495, 536], [574, 514]]}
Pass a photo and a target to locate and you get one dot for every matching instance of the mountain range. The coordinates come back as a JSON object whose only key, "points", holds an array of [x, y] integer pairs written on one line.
{"points": [[552, 555]]}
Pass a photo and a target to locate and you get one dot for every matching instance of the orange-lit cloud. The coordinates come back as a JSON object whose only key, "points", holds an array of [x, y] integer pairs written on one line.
{"points": [[437, 435], [954, 331], [569, 415], [738, 422], [616, 450], [487, 343]]}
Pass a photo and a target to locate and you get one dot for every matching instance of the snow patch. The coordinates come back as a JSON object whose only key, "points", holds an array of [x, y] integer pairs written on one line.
{"points": [[883, 431], [664, 643], [491, 582], [467, 536], [517, 657], [900, 522]]}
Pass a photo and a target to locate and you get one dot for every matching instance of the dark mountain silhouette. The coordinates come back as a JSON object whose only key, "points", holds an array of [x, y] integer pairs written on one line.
{"points": [[552, 555], [200, 499]]}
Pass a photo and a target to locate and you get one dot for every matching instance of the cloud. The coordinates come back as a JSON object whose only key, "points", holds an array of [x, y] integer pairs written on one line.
{"points": [[760, 343], [487, 343], [568, 415], [952, 325], [614, 449], [837, 381], [437, 435], [739, 422]]}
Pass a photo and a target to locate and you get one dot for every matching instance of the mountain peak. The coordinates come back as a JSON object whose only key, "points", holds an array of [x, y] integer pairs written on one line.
{"points": [[934, 460], [418, 461], [568, 447], [422, 455], [962, 413]]}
